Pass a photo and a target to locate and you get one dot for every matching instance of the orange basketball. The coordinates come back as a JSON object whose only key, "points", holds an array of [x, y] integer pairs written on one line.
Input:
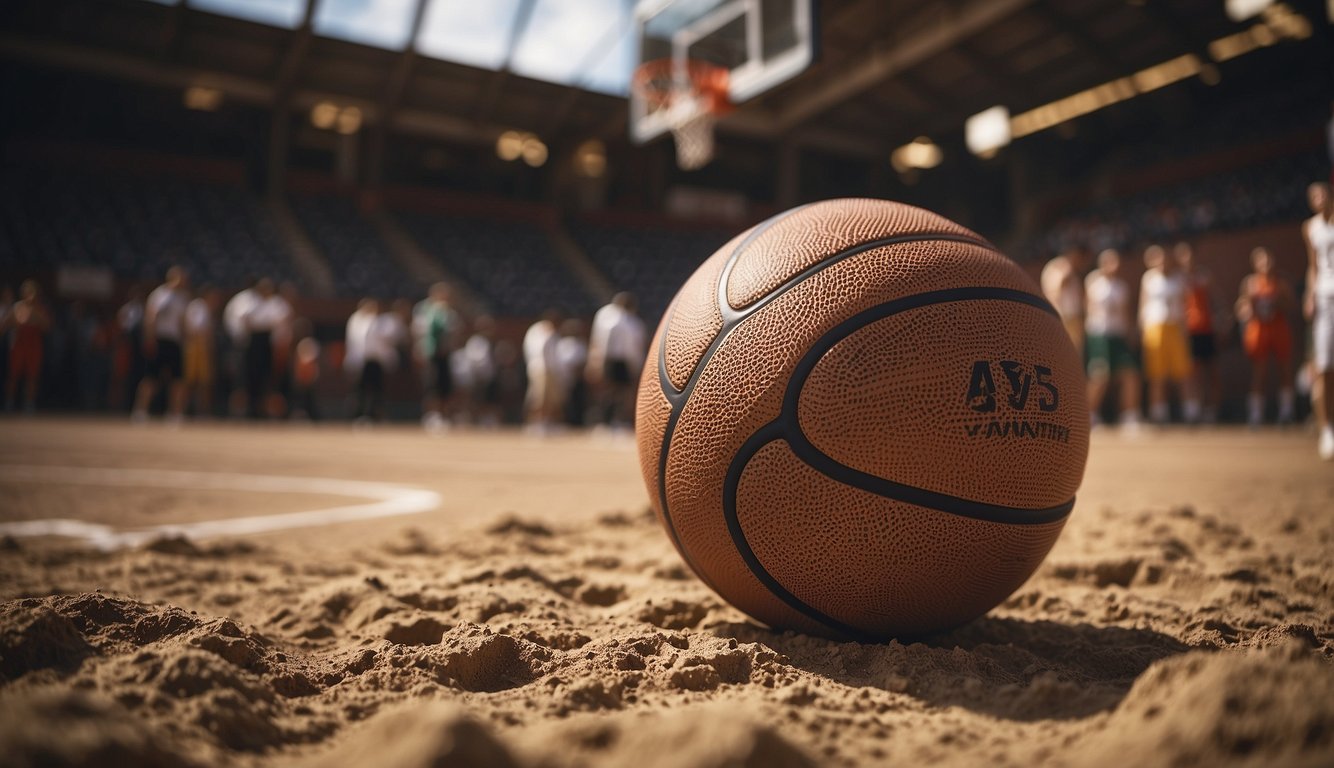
{"points": [[859, 419]]}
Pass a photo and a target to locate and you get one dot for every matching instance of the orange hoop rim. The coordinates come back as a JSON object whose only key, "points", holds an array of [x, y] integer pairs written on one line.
{"points": [[655, 82]]}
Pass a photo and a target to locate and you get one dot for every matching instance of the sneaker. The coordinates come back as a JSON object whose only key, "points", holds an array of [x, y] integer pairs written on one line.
{"points": [[1326, 448]]}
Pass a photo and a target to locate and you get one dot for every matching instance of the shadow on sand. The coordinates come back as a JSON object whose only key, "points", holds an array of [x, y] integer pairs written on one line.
{"points": [[1005, 667]]}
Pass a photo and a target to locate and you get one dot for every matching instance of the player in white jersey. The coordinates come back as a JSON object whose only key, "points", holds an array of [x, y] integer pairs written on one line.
{"points": [[164, 332], [1110, 325], [1318, 231], [616, 347]]}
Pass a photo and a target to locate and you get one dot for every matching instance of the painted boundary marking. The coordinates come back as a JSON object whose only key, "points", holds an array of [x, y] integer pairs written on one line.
{"points": [[390, 500]]}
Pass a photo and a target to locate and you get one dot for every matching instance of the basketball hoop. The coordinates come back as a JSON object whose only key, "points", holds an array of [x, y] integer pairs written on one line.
{"points": [[690, 96]]}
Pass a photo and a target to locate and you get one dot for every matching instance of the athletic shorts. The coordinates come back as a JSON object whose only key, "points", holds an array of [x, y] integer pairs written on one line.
{"points": [[1322, 333], [1265, 340], [438, 377], [1109, 354], [617, 372], [1203, 347], [1166, 354], [198, 362], [167, 362]]}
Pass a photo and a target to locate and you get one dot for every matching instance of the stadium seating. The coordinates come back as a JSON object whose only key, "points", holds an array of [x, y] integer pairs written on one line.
{"points": [[360, 260], [1255, 195], [509, 264], [650, 260], [137, 226]]}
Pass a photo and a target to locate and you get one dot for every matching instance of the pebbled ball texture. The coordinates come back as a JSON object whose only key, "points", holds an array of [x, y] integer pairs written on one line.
{"points": [[858, 419]]}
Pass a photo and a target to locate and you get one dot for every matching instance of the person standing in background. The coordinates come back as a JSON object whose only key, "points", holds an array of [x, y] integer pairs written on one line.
{"points": [[266, 315], [616, 349], [201, 350], [1062, 284], [1207, 380], [478, 360], [435, 330], [28, 320], [1110, 324], [1263, 305], [571, 361], [238, 341], [129, 360], [305, 372], [164, 331], [354, 348], [1162, 315], [1318, 304], [539, 355], [384, 333]]}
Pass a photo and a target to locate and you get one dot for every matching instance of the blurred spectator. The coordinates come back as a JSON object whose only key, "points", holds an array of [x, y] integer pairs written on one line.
{"points": [[1162, 315], [1109, 328], [268, 313], [201, 352], [384, 334], [29, 320], [540, 361], [1062, 283], [305, 373], [238, 342], [477, 366], [435, 329], [129, 361], [511, 382], [1263, 306], [163, 332], [284, 348], [616, 350], [1318, 305], [1203, 329], [571, 361]]}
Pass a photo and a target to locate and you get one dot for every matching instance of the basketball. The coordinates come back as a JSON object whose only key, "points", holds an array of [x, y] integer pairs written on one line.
{"points": [[859, 419]]}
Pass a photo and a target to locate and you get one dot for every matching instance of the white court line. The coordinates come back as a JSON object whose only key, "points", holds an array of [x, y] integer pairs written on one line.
{"points": [[391, 500]]}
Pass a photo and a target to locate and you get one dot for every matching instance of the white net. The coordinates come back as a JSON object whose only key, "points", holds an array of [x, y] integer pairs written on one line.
{"points": [[694, 140]]}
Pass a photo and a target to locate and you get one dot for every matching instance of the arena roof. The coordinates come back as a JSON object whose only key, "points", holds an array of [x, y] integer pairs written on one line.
{"points": [[887, 71]]}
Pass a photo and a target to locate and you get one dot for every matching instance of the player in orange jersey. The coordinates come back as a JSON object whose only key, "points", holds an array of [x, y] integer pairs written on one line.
{"points": [[1264, 304]]}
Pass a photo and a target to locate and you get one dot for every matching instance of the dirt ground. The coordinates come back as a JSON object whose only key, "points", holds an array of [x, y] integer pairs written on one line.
{"points": [[538, 616]]}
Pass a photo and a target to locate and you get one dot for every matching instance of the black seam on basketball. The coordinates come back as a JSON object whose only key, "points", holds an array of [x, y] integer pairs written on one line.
{"points": [[769, 433], [807, 452], [677, 399]]}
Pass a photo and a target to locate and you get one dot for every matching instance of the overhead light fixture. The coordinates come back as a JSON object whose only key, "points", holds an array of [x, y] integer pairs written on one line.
{"points": [[590, 159], [534, 152], [509, 146], [987, 131], [1241, 10], [921, 152], [349, 121], [202, 98], [324, 115]]}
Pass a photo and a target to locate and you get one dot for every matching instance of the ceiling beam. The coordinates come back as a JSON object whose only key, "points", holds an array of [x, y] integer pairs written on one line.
{"points": [[943, 27], [256, 92], [290, 67], [1112, 67], [495, 84], [1184, 35]]}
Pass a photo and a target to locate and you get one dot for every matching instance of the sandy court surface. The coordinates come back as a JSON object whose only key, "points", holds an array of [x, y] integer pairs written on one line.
{"points": [[538, 616]]}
